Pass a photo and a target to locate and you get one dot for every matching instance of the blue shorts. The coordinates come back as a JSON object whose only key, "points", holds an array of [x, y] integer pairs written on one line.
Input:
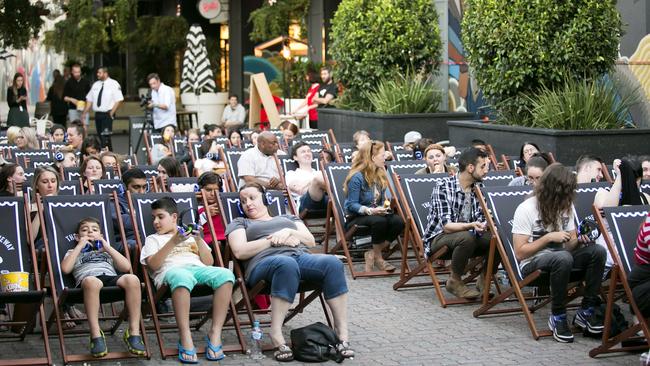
{"points": [[306, 203]]}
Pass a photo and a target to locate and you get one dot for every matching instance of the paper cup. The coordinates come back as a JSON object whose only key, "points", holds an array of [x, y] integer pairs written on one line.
{"points": [[14, 282]]}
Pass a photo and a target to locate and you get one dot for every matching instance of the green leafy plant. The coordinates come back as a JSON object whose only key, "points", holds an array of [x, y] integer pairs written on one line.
{"points": [[517, 46], [20, 21], [405, 93], [295, 82], [372, 39], [273, 20], [579, 105]]}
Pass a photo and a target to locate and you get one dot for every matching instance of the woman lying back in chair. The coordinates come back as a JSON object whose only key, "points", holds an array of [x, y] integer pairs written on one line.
{"points": [[274, 249]]}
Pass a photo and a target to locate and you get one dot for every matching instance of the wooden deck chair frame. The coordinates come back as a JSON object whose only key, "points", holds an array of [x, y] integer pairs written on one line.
{"points": [[510, 161], [335, 214], [277, 206], [154, 295], [510, 264], [20, 236], [61, 292], [412, 235], [621, 249]]}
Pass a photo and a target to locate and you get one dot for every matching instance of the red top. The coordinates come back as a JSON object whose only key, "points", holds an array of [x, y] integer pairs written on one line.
{"points": [[218, 227], [311, 93], [642, 252]]}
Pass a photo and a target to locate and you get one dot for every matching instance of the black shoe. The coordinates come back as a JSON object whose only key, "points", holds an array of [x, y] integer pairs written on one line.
{"points": [[560, 327], [585, 320]]}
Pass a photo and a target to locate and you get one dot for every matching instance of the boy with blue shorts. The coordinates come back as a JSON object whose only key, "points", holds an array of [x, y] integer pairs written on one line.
{"points": [[182, 260]]}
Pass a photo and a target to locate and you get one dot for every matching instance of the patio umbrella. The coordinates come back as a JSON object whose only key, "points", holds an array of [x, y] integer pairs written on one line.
{"points": [[197, 76], [4, 54]]}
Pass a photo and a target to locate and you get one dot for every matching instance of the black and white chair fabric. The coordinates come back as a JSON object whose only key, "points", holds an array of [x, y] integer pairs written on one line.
{"points": [[403, 155], [405, 167], [316, 135], [645, 186], [70, 187], [151, 171], [344, 151], [511, 161], [20, 155], [232, 157], [54, 146], [183, 184], [37, 162], [71, 173], [584, 201], [288, 164], [108, 186], [499, 178]]}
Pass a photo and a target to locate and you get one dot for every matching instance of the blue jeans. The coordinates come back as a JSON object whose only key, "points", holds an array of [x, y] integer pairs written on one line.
{"points": [[284, 273]]}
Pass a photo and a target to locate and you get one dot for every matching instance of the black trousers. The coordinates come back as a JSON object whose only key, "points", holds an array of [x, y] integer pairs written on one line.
{"points": [[590, 259], [382, 228], [104, 126], [639, 281], [463, 246]]}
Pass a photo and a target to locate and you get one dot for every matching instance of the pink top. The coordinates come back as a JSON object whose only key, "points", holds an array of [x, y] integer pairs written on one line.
{"points": [[641, 252], [311, 93], [218, 227]]}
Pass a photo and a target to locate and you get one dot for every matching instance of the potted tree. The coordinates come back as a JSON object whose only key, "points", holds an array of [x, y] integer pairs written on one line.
{"points": [[547, 67], [383, 49]]}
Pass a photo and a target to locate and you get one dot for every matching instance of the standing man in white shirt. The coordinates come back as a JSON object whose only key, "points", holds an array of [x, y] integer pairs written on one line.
{"points": [[234, 115], [163, 103], [104, 97]]}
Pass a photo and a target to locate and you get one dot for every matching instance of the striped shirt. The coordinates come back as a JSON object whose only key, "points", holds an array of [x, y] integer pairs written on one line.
{"points": [[642, 252]]}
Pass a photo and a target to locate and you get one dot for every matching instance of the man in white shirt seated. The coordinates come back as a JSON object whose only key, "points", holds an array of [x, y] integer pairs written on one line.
{"points": [[163, 103], [306, 184], [257, 165], [234, 115]]}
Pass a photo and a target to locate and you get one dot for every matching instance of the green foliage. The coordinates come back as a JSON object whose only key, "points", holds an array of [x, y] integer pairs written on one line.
{"points": [[578, 105], [156, 41], [297, 84], [405, 93], [271, 21], [370, 40], [516, 46], [19, 22], [85, 31]]}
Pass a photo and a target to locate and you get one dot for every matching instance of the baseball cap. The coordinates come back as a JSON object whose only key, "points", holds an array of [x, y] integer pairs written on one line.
{"points": [[412, 136]]}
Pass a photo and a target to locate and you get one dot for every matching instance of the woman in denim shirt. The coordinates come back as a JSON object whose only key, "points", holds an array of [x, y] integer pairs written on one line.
{"points": [[367, 203]]}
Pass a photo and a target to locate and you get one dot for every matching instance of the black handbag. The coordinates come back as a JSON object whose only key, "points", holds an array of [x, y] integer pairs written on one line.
{"points": [[315, 343]]}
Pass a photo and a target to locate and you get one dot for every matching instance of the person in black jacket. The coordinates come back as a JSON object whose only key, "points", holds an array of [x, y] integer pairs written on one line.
{"points": [[58, 108], [17, 100]]}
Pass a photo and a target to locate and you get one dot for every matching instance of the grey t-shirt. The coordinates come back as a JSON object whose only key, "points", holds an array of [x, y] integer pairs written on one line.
{"points": [[256, 229], [93, 263]]}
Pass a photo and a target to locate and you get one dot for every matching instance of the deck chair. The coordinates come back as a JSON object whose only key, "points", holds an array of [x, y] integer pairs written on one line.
{"points": [[107, 186], [36, 161], [334, 175], [54, 146], [151, 171], [70, 174], [231, 209], [130, 160], [511, 162], [323, 136], [140, 207], [232, 158], [499, 178], [150, 140], [645, 186], [17, 253], [70, 188], [60, 215], [501, 203], [395, 147], [182, 184], [21, 155], [404, 156], [343, 152], [584, 201], [404, 167], [624, 223], [414, 193]]}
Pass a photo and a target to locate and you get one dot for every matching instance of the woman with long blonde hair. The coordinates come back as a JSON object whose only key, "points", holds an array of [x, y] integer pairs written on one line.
{"points": [[367, 203]]}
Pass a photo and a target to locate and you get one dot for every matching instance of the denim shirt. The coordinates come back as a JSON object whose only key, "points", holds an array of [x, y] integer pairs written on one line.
{"points": [[360, 194]]}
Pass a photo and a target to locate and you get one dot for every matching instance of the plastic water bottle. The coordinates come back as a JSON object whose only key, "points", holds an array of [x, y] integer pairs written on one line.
{"points": [[256, 342]]}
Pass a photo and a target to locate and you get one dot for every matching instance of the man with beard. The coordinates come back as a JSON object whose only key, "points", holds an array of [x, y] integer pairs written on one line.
{"points": [[327, 91], [457, 221]]}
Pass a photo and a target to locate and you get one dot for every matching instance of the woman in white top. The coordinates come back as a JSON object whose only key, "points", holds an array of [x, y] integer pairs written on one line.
{"points": [[306, 184]]}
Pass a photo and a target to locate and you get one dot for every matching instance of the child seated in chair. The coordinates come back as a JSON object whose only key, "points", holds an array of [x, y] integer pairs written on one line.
{"points": [[95, 264], [180, 259]]}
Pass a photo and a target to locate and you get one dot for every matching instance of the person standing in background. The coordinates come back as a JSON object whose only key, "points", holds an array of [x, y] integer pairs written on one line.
{"points": [[105, 97], [17, 100], [163, 103], [234, 115], [74, 93], [58, 107]]}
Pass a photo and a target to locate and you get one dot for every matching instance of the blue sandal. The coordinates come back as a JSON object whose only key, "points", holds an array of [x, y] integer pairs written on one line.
{"points": [[214, 349], [186, 352]]}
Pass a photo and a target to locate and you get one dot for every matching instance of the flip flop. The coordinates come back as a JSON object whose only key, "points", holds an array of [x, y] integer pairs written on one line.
{"points": [[214, 349], [186, 352]]}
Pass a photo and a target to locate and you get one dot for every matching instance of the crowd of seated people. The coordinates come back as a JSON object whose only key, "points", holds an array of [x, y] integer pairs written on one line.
{"points": [[277, 249]]}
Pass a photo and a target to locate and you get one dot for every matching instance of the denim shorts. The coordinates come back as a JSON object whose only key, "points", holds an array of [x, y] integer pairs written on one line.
{"points": [[306, 203]]}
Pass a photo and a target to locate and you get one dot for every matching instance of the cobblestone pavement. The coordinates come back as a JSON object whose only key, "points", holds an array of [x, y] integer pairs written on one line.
{"points": [[400, 328]]}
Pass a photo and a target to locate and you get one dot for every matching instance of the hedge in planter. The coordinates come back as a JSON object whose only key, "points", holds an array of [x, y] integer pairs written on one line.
{"points": [[372, 39], [516, 46]]}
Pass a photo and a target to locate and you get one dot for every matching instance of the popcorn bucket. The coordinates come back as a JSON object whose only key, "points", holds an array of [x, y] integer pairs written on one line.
{"points": [[81, 105], [14, 281]]}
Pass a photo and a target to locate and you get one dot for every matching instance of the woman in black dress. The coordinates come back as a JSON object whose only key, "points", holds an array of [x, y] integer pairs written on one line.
{"points": [[17, 100], [58, 108]]}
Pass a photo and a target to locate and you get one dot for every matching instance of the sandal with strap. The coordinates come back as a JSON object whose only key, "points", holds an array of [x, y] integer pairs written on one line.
{"points": [[215, 349], [345, 350], [186, 352], [98, 346], [283, 354], [134, 344]]}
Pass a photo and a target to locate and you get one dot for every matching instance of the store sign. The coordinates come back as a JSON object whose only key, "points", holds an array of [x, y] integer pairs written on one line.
{"points": [[209, 9]]}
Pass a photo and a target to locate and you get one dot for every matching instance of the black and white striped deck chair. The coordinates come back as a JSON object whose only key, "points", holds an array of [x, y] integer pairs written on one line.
{"points": [[179, 144], [511, 162], [70, 188], [71, 173], [150, 171], [54, 146], [7, 150], [60, 216], [21, 156], [645, 187], [346, 239], [396, 147], [141, 216], [404, 155], [36, 162], [230, 208], [16, 252], [130, 160], [182, 184], [584, 200], [501, 203], [414, 192], [108, 186], [150, 140], [499, 178], [322, 136], [232, 157], [624, 223], [404, 167], [344, 152]]}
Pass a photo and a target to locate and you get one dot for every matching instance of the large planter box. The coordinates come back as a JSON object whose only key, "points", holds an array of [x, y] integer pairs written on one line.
{"points": [[386, 127], [567, 146]]}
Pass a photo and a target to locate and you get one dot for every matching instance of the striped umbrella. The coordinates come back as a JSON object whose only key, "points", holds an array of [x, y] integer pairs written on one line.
{"points": [[197, 76], [4, 54]]}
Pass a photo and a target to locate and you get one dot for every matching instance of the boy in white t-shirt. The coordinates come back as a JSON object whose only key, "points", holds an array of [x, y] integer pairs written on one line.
{"points": [[306, 184], [181, 260], [95, 264]]}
